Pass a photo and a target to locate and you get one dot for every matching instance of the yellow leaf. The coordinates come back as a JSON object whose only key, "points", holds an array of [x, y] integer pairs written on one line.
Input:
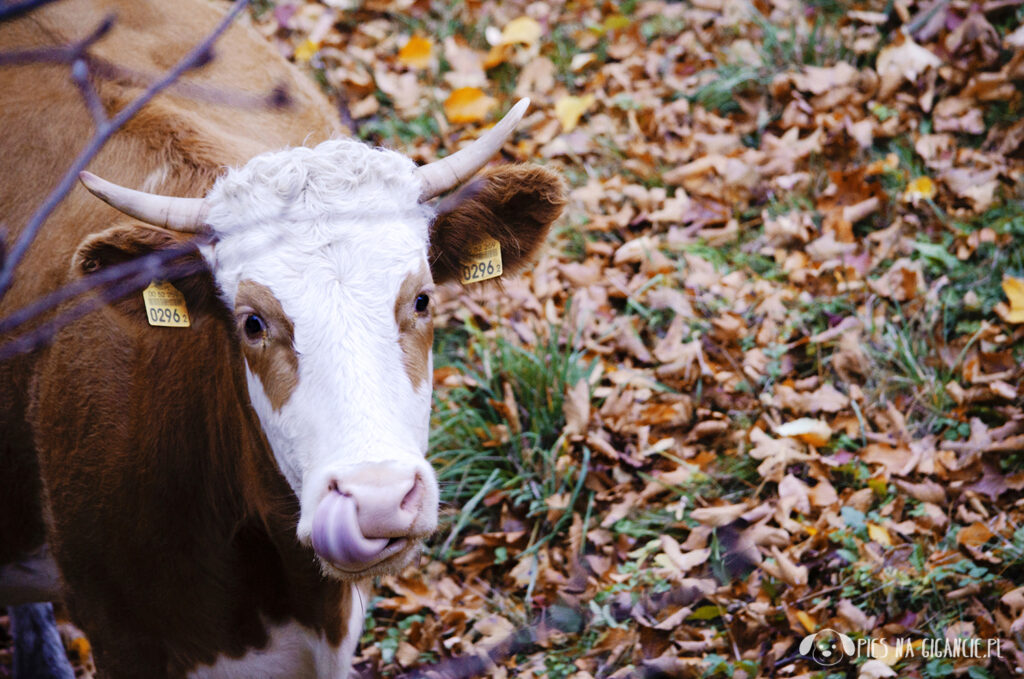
{"points": [[615, 22], [524, 29], [922, 188], [807, 621], [879, 534], [417, 52], [806, 429], [468, 105], [1014, 289], [569, 109], [890, 655], [306, 50]]}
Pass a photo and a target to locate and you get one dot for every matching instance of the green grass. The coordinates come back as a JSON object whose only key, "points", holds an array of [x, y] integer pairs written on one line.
{"points": [[475, 446]]}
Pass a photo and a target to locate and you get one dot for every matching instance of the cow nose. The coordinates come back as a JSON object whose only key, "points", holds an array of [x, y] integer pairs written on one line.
{"points": [[387, 501], [367, 511]]}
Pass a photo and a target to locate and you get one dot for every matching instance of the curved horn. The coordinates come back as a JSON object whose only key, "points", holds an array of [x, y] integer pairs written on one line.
{"points": [[441, 175], [180, 214]]}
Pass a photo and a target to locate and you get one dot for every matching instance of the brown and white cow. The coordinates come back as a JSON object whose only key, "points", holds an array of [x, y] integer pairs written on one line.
{"points": [[217, 497]]}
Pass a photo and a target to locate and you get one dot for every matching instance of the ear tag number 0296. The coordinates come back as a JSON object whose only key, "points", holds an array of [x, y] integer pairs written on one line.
{"points": [[165, 305], [482, 261]]}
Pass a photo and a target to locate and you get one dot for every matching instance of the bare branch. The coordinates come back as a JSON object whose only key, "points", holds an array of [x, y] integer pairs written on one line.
{"points": [[112, 284], [16, 9], [80, 74], [277, 98], [198, 56], [67, 54]]}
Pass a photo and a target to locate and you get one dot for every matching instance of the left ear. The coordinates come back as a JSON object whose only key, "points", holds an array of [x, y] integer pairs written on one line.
{"points": [[513, 204]]}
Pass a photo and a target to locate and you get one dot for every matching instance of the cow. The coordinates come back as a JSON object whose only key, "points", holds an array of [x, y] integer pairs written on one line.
{"points": [[218, 497]]}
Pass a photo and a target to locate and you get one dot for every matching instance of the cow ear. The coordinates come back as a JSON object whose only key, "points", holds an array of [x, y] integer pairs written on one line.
{"points": [[188, 272], [121, 243], [513, 204]]}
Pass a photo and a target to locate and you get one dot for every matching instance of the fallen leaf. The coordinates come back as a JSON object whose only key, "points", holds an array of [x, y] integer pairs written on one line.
{"points": [[922, 188], [718, 516], [522, 30], [875, 669], [814, 432], [879, 534], [577, 408], [569, 109], [468, 105], [974, 535], [1014, 289], [417, 52], [306, 50]]}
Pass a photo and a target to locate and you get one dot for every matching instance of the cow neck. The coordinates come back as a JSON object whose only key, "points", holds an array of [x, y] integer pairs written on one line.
{"points": [[199, 555], [267, 514]]}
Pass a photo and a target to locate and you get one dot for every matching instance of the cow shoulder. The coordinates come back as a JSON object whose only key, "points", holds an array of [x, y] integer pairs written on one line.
{"points": [[513, 204]]}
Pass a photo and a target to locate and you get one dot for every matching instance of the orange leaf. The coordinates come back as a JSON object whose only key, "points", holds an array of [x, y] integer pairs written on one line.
{"points": [[974, 535], [468, 105], [417, 52]]}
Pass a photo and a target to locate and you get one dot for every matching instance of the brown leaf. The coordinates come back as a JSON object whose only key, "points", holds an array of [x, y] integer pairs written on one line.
{"points": [[577, 409]]}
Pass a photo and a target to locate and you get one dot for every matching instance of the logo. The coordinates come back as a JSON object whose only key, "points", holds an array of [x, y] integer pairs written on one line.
{"points": [[827, 647]]}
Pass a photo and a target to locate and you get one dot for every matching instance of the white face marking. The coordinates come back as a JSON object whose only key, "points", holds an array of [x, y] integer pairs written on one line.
{"points": [[332, 232]]}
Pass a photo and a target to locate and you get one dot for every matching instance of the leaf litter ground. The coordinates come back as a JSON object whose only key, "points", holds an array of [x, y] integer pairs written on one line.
{"points": [[765, 379]]}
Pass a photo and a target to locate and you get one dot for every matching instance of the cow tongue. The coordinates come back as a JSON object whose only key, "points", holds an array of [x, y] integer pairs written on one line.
{"points": [[337, 537]]}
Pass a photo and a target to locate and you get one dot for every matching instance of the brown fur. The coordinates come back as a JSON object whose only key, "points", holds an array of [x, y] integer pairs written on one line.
{"points": [[415, 331], [171, 525], [514, 204], [273, 360], [173, 529]]}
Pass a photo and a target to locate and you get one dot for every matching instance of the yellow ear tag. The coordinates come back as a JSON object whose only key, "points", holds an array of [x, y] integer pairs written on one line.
{"points": [[165, 305], [482, 261]]}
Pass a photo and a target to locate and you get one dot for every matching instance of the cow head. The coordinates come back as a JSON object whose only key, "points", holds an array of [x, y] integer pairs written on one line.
{"points": [[328, 258]]}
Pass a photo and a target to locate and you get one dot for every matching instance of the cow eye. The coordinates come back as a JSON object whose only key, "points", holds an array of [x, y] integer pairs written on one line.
{"points": [[422, 303], [255, 327]]}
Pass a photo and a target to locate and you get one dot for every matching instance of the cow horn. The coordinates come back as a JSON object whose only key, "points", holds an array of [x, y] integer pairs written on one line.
{"points": [[447, 173], [179, 214]]}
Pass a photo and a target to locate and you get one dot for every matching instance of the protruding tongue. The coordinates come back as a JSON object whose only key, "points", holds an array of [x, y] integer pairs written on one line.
{"points": [[337, 537]]}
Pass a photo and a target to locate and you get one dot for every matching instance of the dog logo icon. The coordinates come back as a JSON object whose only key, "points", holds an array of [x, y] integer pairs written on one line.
{"points": [[827, 647]]}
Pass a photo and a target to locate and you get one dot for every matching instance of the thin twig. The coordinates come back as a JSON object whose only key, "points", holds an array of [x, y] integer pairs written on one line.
{"points": [[198, 56], [279, 96], [66, 54], [111, 284], [15, 10], [80, 74]]}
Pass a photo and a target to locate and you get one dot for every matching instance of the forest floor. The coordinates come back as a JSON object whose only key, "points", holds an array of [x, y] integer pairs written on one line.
{"points": [[765, 379]]}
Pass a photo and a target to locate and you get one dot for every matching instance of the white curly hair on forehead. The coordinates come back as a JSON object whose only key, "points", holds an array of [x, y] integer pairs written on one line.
{"points": [[339, 178]]}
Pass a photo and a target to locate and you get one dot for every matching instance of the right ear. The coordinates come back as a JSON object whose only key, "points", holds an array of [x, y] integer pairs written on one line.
{"points": [[131, 240], [121, 243], [806, 643]]}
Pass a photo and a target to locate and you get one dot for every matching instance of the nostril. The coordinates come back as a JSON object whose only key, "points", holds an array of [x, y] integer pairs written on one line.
{"points": [[412, 500]]}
